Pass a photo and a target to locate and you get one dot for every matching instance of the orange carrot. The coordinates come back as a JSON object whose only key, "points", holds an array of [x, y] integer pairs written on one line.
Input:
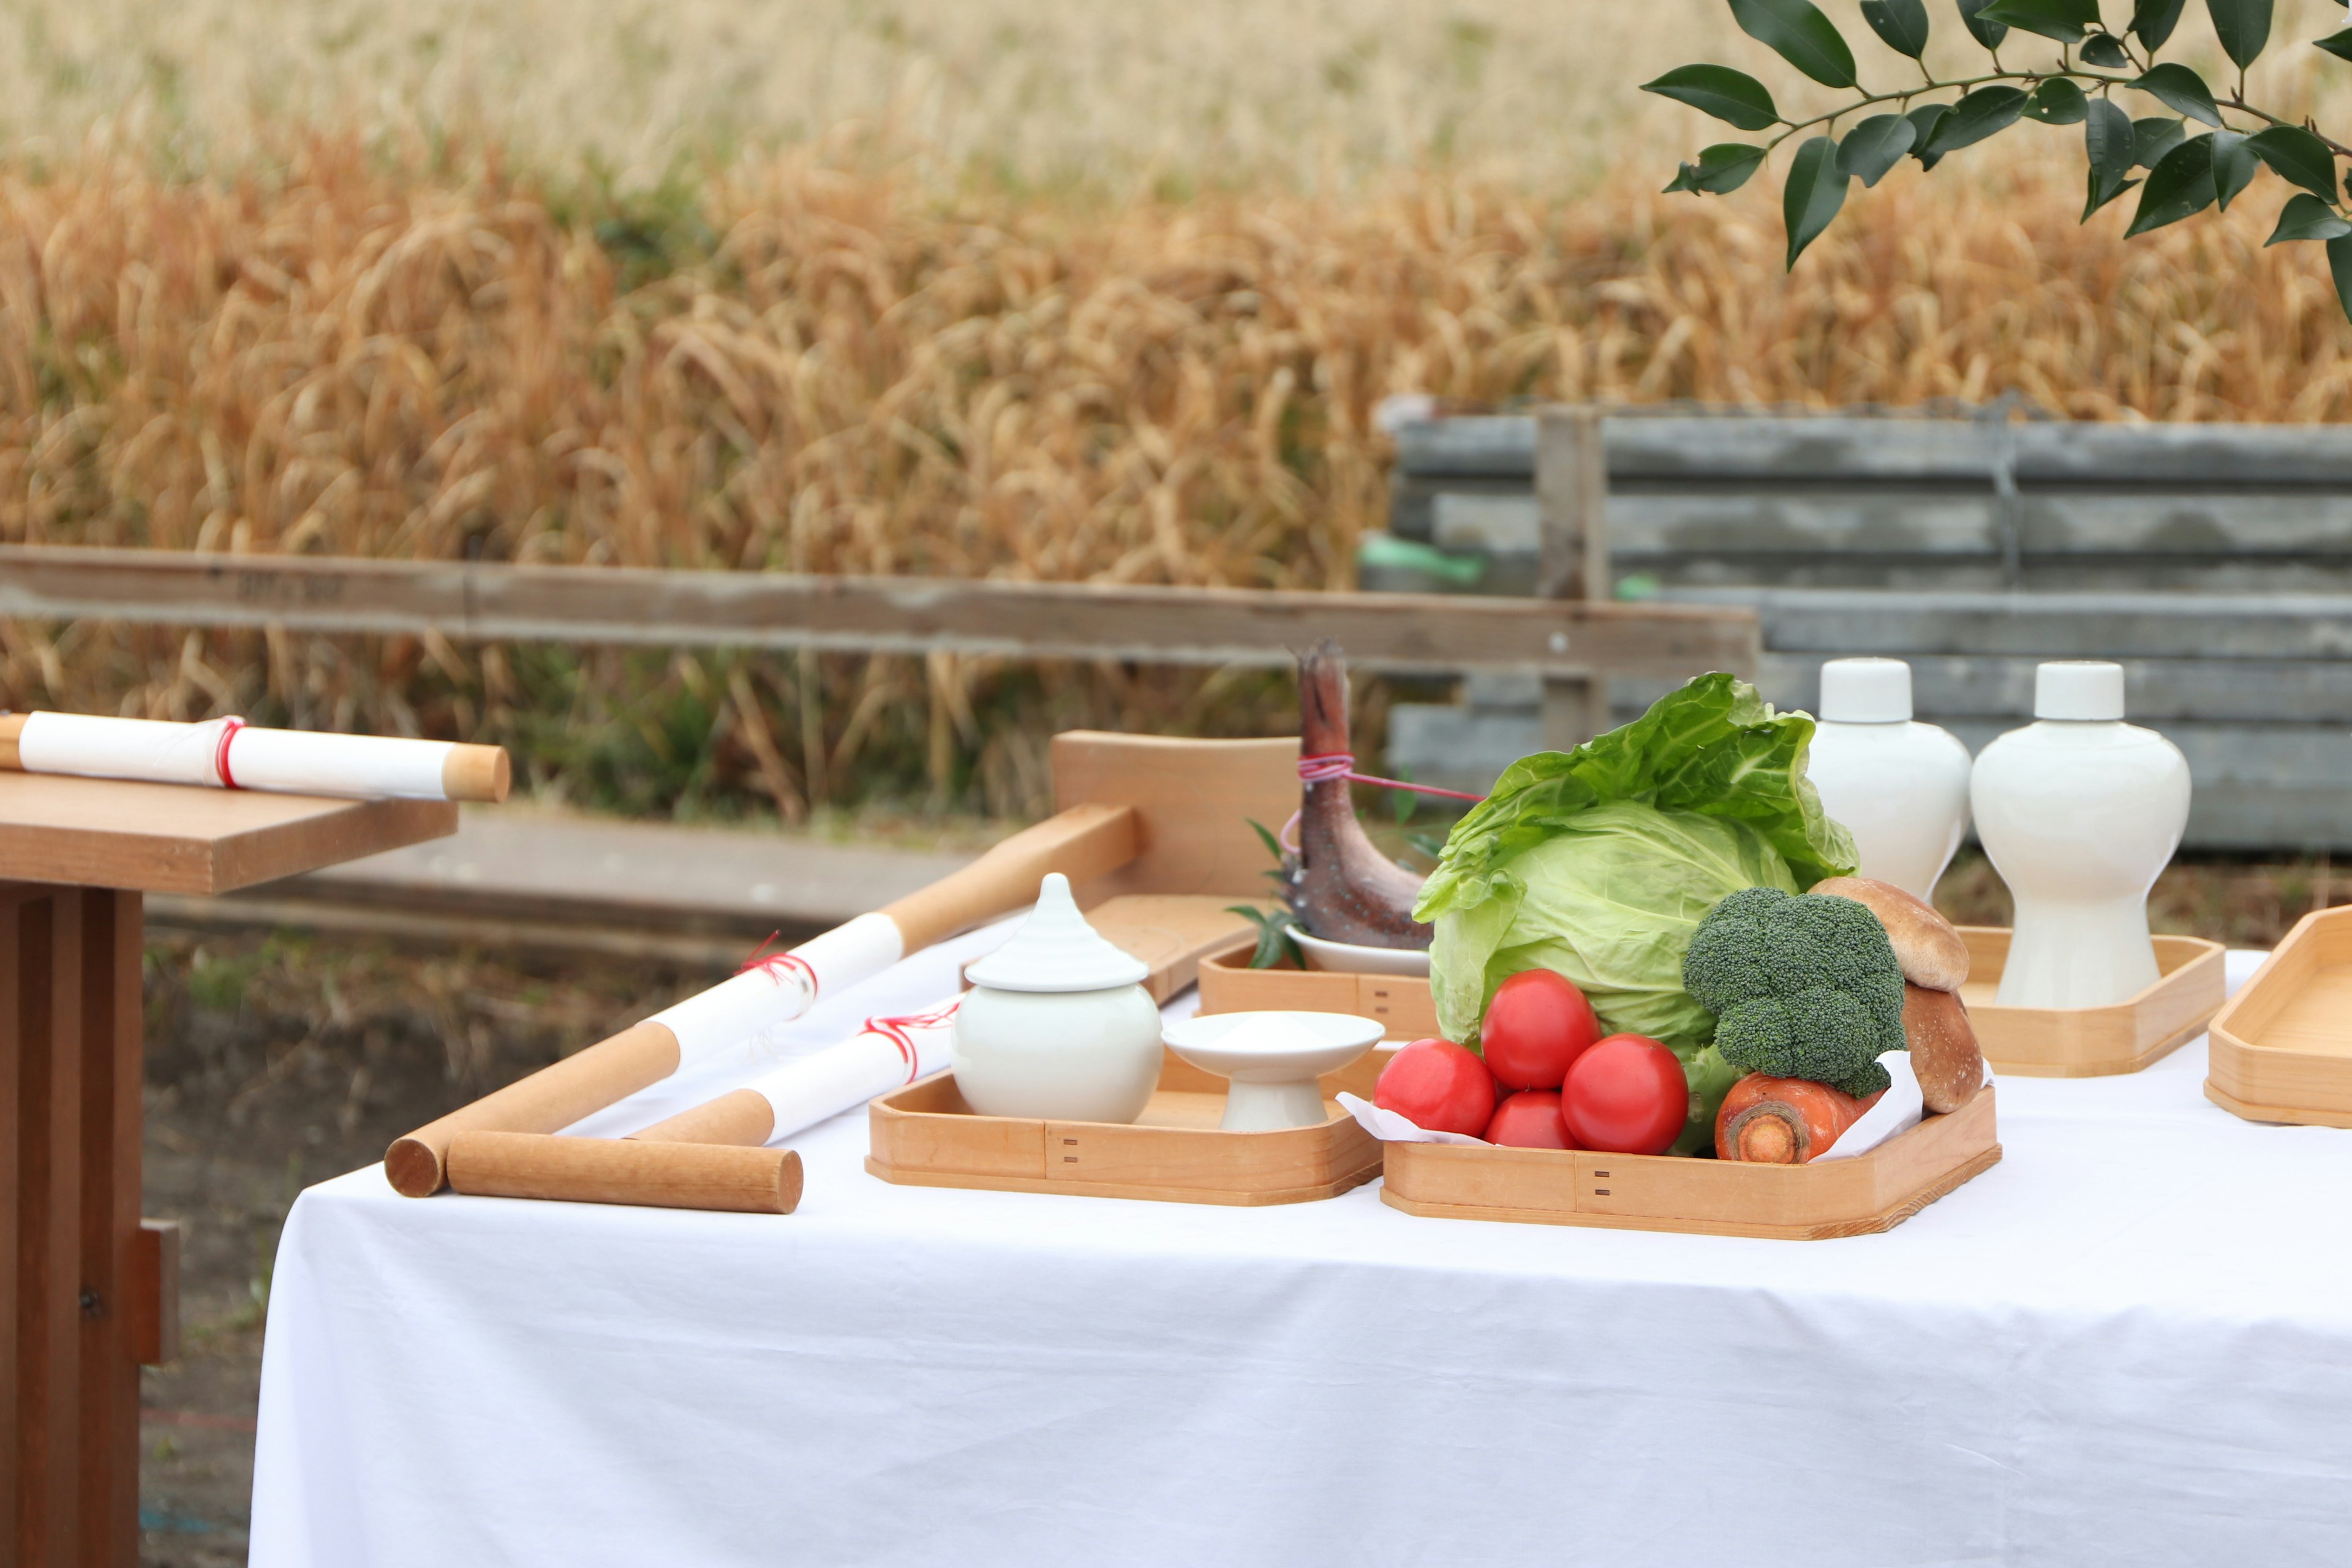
{"points": [[1783, 1121]]}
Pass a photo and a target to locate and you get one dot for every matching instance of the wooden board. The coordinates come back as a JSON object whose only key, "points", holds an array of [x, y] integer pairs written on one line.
{"points": [[1401, 1002], [174, 838], [2092, 1042], [1175, 934], [1193, 801], [1873, 1192], [925, 1136], [2281, 1047]]}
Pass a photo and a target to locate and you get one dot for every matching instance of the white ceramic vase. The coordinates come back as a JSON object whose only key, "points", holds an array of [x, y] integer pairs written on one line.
{"points": [[2078, 812], [1899, 786], [1057, 1023]]}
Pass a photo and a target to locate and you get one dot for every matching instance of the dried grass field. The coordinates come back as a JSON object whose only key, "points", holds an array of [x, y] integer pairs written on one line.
{"points": [[954, 289]]}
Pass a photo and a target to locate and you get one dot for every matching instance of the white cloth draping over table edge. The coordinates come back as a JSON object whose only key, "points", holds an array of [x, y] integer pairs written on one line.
{"points": [[2129, 1342]]}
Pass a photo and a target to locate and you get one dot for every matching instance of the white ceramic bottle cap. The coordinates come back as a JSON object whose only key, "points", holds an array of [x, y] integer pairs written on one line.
{"points": [[1865, 691], [1055, 950], [2078, 688]]}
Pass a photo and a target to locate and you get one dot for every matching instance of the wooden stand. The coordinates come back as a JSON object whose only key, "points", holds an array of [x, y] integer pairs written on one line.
{"points": [[926, 1136], [1873, 1192], [1401, 1002], [2282, 1048], [2092, 1042], [94, 1293]]}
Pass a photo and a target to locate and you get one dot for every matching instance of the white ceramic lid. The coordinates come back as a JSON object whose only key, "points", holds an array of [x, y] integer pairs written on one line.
{"points": [[1055, 950], [2078, 688], [1865, 691]]}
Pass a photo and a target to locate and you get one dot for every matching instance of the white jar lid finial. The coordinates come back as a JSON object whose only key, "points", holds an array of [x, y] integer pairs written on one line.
{"points": [[2078, 688], [1057, 950], [1865, 691]]}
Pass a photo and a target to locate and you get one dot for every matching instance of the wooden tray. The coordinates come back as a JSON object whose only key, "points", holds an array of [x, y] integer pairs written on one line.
{"points": [[1874, 1191], [2282, 1048], [1401, 1002], [2092, 1042], [925, 1136]]}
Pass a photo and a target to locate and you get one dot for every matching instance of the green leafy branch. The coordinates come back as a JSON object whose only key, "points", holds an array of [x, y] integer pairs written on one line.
{"points": [[2184, 173]]}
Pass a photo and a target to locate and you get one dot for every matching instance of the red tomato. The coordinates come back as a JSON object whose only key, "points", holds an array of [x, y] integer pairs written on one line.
{"points": [[1626, 1095], [1529, 1119], [1439, 1086], [1536, 1025]]}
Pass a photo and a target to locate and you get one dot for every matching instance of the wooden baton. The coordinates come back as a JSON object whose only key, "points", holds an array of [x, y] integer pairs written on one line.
{"points": [[668, 1175]]}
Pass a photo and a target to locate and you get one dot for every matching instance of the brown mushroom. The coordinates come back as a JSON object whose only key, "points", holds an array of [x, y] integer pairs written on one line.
{"points": [[1927, 945]]}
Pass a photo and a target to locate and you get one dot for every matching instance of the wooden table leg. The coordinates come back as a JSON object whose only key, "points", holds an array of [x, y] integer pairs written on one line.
{"points": [[69, 1080]]}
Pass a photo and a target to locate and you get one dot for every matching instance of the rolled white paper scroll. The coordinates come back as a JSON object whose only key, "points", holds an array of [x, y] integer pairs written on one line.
{"points": [[229, 754], [795, 1096]]}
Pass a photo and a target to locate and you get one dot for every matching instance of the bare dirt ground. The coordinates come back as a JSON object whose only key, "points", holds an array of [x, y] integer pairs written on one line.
{"points": [[278, 1061]]}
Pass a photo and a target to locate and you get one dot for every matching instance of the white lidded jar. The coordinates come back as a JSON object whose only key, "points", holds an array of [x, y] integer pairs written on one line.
{"points": [[1057, 1023], [1901, 787], [2078, 812]]}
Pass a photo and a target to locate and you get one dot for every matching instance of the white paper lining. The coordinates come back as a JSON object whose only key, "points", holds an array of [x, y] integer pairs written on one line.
{"points": [[778, 991]]}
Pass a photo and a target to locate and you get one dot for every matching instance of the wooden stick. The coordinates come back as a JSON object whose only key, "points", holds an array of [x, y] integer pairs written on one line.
{"points": [[623, 1170], [1083, 843], [476, 774], [743, 1116]]}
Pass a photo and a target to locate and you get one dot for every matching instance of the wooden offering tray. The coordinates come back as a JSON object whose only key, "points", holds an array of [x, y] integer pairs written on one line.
{"points": [[1401, 1002], [2282, 1048], [2092, 1042], [925, 1136], [1873, 1192]]}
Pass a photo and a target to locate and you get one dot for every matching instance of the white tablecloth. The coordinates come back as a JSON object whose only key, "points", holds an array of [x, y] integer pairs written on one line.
{"points": [[2129, 1342]]}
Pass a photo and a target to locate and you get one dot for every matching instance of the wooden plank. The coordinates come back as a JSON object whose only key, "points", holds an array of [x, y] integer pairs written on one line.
{"points": [[1193, 801], [152, 1302], [1729, 448], [116, 1291], [44, 936], [1838, 621], [1573, 496], [904, 614], [108, 833]]}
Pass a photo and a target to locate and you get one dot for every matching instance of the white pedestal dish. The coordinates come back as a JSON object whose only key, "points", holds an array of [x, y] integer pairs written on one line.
{"points": [[1353, 958], [1272, 1061], [2078, 812]]}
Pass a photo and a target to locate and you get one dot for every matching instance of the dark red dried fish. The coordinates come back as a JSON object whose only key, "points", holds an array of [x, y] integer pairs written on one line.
{"points": [[1343, 888]]}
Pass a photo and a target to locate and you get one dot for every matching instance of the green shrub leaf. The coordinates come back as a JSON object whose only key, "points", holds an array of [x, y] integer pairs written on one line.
{"points": [[2298, 157], [2305, 217], [2152, 139], [1815, 191], [1720, 170], [2242, 26], [1901, 25], [2153, 21], [2180, 185], [2180, 87], [1728, 95], [2337, 44], [2233, 166], [1989, 33], [2104, 50], [1797, 32], [2340, 264], [1875, 146], [2108, 144], [1923, 120], [2057, 101], [1977, 116], [2065, 20]]}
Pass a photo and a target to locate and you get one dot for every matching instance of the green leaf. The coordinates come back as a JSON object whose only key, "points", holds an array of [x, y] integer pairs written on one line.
{"points": [[2180, 185], [2242, 26], [1720, 170], [2108, 144], [1977, 116], [2057, 101], [2340, 264], [1875, 146], [1274, 940], [1815, 191], [2182, 89], [2152, 22], [1728, 95], [2065, 20], [1797, 32], [2233, 166], [1989, 33], [2337, 44], [2152, 139], [2298, 157], [1901, 25], [2305, 217], [1923, 120], [2104, 50]]}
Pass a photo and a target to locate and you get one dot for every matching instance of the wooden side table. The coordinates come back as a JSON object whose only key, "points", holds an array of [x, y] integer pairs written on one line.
{"points": [[94, 1293]]}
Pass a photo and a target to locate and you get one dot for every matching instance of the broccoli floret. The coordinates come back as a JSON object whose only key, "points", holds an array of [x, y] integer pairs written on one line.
{"points": [[1800, 987]]}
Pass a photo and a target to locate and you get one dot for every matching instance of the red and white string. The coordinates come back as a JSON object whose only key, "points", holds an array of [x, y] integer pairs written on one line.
{"points": [[1325, 766]]}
